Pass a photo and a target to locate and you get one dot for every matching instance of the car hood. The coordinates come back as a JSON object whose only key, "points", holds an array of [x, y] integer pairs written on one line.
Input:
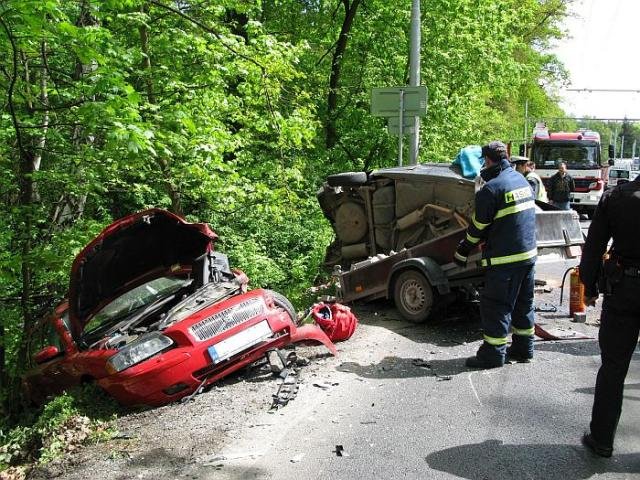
{"points": [[138, 246]]}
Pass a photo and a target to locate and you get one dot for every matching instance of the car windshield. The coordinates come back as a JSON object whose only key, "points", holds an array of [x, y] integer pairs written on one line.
{"points": [[577, 155], [135, 299], [614, 173]]}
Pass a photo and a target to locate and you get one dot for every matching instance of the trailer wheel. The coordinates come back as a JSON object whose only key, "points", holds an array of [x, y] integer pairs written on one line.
{"points": [[413, 296]]}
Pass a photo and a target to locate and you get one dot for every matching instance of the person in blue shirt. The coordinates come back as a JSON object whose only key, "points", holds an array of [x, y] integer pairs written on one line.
{"points": [[504, 223]]}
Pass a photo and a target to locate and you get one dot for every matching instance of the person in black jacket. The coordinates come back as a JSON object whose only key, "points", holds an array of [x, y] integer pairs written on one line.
{"points": [[505, 220], [561, 185], [618, 278]]}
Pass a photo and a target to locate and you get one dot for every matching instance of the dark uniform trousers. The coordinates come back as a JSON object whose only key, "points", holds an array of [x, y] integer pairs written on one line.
{"points": [[619, 328], [506, 303]]}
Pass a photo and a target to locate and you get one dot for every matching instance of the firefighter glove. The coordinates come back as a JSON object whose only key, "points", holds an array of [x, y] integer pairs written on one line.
{"points": [[462, 252]]}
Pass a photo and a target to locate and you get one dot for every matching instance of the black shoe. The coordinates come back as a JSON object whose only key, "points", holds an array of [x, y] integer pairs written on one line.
{"points": [[518, 357], [475, 362], [597, 448]]}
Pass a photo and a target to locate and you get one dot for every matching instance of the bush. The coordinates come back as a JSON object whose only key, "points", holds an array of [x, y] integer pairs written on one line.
{"points": [[67, 421]]}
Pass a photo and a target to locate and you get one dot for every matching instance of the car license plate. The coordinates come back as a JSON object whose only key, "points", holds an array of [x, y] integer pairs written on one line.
{"points": [[240, 341]]}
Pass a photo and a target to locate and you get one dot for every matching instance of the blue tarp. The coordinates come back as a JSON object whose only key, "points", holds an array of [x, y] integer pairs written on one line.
{"points": [[470, 161]]}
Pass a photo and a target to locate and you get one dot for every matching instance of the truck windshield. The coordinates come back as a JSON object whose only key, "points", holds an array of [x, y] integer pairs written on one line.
{"points": [[577, 155]]}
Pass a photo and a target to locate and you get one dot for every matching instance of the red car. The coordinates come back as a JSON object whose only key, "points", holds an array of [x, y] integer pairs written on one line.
{"points": [[154, 313]]}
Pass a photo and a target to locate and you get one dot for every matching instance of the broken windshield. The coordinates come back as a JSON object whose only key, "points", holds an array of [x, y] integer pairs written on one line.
{"points": [[133, 300]]}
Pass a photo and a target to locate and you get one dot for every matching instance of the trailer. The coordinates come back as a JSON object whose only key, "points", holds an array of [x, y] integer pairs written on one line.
{"points": [[397, 230]]}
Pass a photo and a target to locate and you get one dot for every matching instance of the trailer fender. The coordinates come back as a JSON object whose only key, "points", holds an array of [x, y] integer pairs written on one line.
{"points": [[429, 268]]}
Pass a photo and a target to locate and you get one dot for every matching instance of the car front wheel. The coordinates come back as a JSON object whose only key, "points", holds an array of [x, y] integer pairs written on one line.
{"points": [[413, 296], [284, 303]]}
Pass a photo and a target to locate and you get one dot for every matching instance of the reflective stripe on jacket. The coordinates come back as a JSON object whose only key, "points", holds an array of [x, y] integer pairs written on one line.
{"points": [[539, 190], [504, 218]]}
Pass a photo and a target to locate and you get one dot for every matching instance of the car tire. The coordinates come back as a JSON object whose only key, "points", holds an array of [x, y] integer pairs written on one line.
{"points": [[283, 302], [413, 296], [347, 179], [351, 222]]}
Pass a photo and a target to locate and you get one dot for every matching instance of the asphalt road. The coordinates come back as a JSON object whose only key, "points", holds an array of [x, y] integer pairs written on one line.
{"points": [[399, 403]]}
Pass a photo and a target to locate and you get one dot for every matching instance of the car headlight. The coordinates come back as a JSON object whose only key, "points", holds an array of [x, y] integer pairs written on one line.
{"points": [[137, 351]]}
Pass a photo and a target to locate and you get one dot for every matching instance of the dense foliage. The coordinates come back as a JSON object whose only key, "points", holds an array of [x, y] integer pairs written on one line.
{"points": [[229, 112]]}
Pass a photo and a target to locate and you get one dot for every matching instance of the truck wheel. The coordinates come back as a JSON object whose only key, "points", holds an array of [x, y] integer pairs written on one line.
{"points": [[413, 296], [347, 179], [284, 303]]}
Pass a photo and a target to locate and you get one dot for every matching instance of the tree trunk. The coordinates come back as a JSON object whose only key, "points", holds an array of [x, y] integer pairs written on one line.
{"points": [[172, 189], [30, 160], [336, 65]]}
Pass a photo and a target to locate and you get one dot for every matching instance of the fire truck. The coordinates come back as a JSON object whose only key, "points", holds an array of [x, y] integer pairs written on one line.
{"points": [[580, 151]]}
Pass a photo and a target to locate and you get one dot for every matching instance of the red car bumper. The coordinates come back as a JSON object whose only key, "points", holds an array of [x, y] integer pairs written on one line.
{"points": [[180, 371]]}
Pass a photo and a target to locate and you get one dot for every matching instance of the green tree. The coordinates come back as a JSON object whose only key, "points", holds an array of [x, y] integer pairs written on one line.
{"points": [[230, 112]]}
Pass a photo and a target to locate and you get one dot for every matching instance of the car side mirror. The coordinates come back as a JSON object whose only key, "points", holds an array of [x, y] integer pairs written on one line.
{"points": [[46, 354], [612, 154]]}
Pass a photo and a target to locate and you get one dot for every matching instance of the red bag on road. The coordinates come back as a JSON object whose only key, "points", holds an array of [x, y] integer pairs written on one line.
{"points": [[335, 319]]}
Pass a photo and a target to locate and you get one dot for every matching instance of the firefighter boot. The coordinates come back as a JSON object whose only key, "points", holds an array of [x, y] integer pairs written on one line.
{"points": [[488, 356], [521, 349]]}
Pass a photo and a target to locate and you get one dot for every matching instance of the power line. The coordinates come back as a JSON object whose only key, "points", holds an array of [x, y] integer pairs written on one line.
{"points": [[614, 90], [587, 119]]}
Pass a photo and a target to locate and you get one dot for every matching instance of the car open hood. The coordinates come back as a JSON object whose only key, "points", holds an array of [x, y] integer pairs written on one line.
{"points": [[131, 248]]}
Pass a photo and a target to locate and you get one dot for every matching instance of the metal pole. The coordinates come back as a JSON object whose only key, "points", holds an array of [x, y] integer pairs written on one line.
{"points": [[526, 125], [401, 128], [414, 78], [622, 147], [633, 150]]}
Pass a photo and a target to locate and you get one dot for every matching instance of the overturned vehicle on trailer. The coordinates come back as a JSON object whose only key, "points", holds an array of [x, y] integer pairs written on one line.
{"points": [[397, 229], [154, 313]]}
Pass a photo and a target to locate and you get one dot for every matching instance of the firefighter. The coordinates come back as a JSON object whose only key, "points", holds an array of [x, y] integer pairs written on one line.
{"points": [[526, 167], [504, 218], [618, 278]]}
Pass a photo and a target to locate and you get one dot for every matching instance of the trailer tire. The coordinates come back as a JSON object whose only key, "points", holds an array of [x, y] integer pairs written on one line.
{"points": [[413, 296]]}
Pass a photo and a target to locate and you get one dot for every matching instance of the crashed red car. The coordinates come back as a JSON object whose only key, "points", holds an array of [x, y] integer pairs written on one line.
{"points": [[154, 312]]}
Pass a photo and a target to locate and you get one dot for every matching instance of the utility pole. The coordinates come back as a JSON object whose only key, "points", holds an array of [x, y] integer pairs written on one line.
{"points": [[526, 125], [414, 78]]}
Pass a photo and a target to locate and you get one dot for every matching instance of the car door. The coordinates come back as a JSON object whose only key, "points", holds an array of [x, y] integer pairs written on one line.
{"points": [[54, 371]]}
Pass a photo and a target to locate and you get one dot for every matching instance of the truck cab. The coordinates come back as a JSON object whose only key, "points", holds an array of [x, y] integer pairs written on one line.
{"points": [[580, 151]]}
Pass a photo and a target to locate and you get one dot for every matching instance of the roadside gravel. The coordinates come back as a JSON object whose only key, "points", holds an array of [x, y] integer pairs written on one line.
{"points": [[166, 442]]}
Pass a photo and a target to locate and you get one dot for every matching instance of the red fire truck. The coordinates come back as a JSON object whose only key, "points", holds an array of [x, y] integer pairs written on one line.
{"points": [[581, 152]]}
